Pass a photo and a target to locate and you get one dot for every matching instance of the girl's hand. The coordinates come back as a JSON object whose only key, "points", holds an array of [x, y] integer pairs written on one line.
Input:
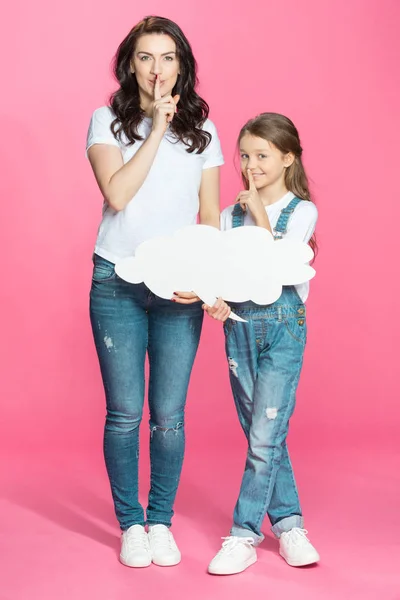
{"points": [[220, 311], [250, 199], [164, 108]]}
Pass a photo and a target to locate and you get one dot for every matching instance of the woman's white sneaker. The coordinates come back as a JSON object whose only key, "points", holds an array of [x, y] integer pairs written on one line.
{"points": [[163, 548], [296, 548], [135, 548], [236, 554]]}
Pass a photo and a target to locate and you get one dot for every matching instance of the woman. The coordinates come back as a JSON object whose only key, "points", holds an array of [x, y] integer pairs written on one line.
{"points": [[156, 158]]}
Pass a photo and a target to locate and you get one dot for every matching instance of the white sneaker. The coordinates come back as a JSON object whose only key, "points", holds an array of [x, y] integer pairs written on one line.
{"points": [[296, 548], [163, 548], [236, 554], [135, 548]]}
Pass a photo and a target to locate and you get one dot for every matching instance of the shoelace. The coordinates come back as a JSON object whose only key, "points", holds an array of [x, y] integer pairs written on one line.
{"points": [[296, 536], [137, 540], [163, 537], [233, 541]]}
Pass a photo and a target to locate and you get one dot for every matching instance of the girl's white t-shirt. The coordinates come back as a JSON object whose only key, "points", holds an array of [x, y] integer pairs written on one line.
{"points": [[301, 225], [169, 196]]}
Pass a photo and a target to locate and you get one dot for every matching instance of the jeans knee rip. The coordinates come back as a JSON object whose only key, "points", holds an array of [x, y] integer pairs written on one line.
{"points": [[108, 342], [233, 365], [165, 430], [271, 413]]}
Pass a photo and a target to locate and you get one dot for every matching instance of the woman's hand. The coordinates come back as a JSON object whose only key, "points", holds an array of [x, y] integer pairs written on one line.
{"points": [[220, 311], [164, 108], [185, 298]]}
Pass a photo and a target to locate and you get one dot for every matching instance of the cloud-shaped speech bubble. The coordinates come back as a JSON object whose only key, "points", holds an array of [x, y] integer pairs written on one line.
{"points": [[244, 263]]}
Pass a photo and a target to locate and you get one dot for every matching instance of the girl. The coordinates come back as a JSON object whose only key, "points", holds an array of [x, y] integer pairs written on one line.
{"points": [[265, 354], [156, 167]]}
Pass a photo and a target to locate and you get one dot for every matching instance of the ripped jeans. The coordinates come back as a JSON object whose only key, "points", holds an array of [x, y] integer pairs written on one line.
{"points": [[265, 357], [128, 321]]}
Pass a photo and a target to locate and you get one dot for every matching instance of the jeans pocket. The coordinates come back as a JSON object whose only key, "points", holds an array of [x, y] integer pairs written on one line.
{"points": [[103, 270], [297, 328]]}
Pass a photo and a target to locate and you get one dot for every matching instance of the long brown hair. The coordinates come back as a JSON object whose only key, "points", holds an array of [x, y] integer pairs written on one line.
{"points": [[125, 102], [281, 132]]}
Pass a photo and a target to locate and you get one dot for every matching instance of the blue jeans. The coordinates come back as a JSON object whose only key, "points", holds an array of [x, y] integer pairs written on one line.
{"points": [[128, 321], [265, 357]]}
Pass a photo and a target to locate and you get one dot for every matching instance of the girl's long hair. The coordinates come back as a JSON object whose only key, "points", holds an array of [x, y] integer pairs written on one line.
{"points": [[281, 132], [125, 102]]}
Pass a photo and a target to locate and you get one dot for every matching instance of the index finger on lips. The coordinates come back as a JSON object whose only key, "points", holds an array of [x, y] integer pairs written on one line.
{"points": [[157, 91], [252, 185]]}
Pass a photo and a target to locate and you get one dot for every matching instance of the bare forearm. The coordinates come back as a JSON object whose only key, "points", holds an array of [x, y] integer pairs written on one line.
{"points": [[127, 181], [209, 217], [261, 220]]}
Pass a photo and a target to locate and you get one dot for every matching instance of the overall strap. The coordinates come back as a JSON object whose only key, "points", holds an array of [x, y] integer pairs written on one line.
{"points": [[281, 226], [237, 216]]}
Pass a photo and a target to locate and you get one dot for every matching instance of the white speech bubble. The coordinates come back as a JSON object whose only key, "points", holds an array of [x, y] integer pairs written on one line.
{"points": [[238, 265]]}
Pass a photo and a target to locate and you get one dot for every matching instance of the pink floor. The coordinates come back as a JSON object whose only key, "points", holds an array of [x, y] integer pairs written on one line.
{"points": [[59, 539]]}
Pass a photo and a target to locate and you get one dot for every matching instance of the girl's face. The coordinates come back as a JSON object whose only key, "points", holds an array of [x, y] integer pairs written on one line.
{"points": [[265, 161], [155, 54]]}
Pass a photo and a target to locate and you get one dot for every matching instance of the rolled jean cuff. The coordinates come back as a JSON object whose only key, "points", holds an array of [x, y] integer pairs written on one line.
{"points": [[247, 533], [287, 524]]}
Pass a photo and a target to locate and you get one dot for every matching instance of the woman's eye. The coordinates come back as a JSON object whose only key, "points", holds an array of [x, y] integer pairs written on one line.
{"points": [[262, 156], [169, 58], [143, 58]]}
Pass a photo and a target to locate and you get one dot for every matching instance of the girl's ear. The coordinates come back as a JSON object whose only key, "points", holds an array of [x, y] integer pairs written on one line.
{"points": [[288, 159]]}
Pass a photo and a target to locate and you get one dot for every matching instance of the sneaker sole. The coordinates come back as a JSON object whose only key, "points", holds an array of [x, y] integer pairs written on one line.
{"points": [[134, 566], [166, 564], [247, 564], [300, 564]]}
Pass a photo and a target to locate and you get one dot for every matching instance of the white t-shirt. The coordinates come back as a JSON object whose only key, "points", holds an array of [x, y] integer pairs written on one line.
{"points": [[169, 196], [301, 225]]}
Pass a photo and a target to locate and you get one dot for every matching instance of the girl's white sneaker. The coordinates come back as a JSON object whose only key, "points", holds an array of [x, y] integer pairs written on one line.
{"points": [[296, 548], [236, 554]]}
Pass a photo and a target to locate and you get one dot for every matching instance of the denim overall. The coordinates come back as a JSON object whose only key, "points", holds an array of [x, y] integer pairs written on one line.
{"points": [[265, 356]]}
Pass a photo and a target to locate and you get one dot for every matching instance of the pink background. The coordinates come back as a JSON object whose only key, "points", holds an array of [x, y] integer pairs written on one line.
{"points": [[333, 67]]}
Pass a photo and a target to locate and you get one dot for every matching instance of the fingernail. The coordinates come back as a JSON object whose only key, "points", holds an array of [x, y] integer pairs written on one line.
{"points": [[173, 300]]}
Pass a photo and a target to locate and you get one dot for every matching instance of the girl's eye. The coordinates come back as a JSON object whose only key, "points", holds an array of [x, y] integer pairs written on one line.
{"points": [[262, 156], [244, 156]]}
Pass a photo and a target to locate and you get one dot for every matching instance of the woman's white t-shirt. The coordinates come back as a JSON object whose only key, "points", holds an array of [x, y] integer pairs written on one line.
{"points": [[169, 196], [301, 225]]}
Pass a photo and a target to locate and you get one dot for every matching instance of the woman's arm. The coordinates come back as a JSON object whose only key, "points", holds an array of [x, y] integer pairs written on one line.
{"points": [[208, 215], [118, 182], [209, 197]]}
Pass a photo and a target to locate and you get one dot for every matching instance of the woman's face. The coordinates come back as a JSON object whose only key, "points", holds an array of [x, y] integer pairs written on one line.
{"points": [[155, 54]]}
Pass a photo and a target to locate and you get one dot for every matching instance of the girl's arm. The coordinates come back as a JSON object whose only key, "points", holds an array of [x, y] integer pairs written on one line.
{"points": [[302, 223]]}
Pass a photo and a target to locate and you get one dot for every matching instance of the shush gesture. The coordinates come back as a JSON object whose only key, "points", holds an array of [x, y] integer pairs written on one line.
{"points": [[250, 199], [164, 108]]}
